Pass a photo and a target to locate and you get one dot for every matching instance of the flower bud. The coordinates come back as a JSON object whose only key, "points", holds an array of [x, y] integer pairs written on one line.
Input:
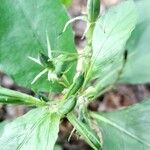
{"points": [[46, 62], [93, 10]]}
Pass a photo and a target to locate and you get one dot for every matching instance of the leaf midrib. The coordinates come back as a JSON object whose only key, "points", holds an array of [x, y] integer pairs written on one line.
{"points": [[110, 33]]}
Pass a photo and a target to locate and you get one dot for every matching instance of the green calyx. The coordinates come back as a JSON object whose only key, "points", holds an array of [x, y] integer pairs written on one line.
{"points": [[93, 10]]}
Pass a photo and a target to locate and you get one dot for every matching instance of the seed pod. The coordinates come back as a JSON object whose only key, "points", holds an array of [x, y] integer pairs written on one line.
{"points": [[66, 106], [77, 84], [46, 62], [61, 67], [93, 10]]}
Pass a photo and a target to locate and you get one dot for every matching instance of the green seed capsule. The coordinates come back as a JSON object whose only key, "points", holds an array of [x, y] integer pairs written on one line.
{"points": [[61, 68], [67, 105], [93, 10], [46, 62], [77, 84]]}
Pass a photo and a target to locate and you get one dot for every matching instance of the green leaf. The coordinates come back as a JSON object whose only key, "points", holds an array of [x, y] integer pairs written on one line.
{"points": [[111, 32], [57, 147], [13, 97], [137, 67], [67, 2], [37, 130], [85, 131], [2, 125], [23, 28], [125, 129]]}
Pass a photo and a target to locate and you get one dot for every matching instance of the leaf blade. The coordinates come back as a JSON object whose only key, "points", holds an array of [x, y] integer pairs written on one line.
{"points": [[138, 48], [31, 131], [111, 32], [8, 96], [24, 35], [130, 127]]}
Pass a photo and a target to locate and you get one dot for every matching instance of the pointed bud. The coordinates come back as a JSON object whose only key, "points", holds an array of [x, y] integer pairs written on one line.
{"points": [[46, 62], [93, 10]]}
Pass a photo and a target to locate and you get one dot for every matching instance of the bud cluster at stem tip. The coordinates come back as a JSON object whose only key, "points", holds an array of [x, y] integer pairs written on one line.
{"points": [[93, 10]]}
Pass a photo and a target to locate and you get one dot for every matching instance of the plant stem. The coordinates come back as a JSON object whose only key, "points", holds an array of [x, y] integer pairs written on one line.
{"points": [[88, 50]]}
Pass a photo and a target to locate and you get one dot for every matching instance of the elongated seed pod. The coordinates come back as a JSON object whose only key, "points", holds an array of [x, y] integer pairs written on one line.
{"points": [[67, 105], [77, 84], [93, 10], [46, 62]]}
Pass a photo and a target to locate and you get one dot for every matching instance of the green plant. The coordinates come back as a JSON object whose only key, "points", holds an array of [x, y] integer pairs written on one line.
{"points": [[37, 50]]}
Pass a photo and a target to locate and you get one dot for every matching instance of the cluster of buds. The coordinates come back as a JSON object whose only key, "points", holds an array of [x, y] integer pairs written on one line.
{"points": [[54, 67]]}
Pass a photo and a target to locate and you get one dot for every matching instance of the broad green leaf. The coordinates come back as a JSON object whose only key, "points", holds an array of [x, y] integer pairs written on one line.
{"points": [[37, 130], [2, 125], [66, 2], [85, 131], [24, 25], [111, 32], [13, 97], [125, 129], [138, 63]]}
